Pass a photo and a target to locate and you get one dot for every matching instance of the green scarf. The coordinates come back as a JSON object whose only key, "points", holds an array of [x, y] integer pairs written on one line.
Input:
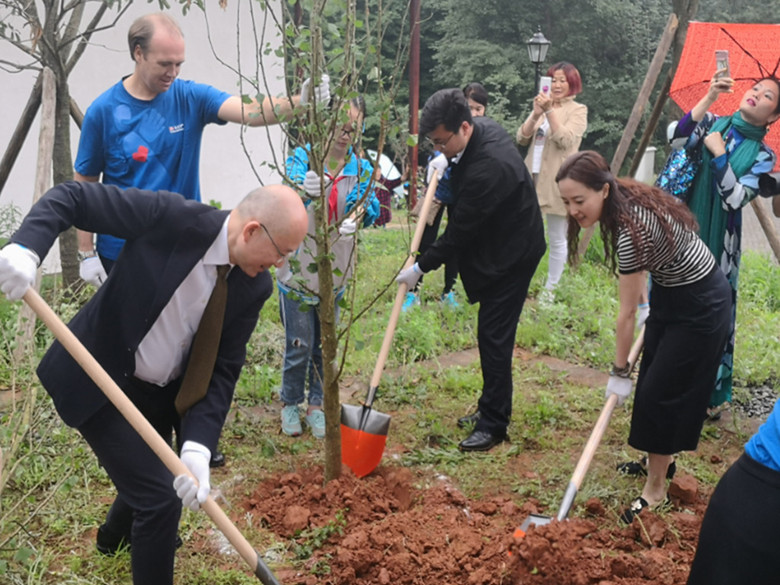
{"points": [[705, 201]]}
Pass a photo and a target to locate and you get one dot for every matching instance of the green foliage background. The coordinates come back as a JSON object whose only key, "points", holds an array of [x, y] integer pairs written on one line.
{"points": [[611, 42]]}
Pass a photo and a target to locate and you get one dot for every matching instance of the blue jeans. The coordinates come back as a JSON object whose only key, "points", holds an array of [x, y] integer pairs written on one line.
{"points": [[302, 352]]}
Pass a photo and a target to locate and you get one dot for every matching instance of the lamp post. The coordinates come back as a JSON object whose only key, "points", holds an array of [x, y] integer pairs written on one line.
{"points": [[537, 51]]}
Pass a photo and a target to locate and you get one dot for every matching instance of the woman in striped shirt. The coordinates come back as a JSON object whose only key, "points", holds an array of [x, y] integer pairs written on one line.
{"points": [[645, 229]]}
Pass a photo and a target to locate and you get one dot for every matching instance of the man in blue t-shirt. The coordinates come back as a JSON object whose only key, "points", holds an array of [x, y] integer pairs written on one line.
{"points": [[146, 130]]}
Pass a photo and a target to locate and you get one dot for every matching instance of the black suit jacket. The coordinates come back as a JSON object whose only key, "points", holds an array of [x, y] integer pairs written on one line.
{"points": [[166, 235], [496, 226]]}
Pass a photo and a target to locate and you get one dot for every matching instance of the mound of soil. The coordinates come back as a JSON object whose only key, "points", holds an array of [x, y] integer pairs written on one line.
{"points": [[386, 529]]}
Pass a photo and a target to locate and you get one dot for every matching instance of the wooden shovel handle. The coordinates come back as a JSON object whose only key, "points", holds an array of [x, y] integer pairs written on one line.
{"points": [[402, 288], [601, 424], [169, 458]]}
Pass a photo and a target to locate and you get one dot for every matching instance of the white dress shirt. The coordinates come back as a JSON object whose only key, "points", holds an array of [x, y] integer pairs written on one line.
{"points": [[161, 355]]}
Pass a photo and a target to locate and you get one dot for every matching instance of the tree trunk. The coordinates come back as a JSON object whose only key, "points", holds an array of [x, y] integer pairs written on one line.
{"points": [[63, 171], [330, 343]]}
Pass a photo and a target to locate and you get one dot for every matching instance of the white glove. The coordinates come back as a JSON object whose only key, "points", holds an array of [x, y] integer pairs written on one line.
{"points": [[619, 386], [348, 227], [91, 270], [409, 276], [17, 270], [311, 184], [321, 92], [642, 313], [196, 457], [438, 164]]}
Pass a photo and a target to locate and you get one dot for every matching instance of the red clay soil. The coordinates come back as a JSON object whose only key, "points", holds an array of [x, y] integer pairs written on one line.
{"points": [[396, 532]]}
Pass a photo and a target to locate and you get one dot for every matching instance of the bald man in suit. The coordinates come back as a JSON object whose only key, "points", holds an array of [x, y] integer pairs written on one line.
{"points": [[140, 324]]}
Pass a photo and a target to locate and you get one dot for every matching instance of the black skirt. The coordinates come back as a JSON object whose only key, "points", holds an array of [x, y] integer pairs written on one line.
{"points": [[739, 540], [685, 335]]}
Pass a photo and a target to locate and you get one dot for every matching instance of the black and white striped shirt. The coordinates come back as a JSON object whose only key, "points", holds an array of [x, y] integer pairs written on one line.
{"points": [[688, 261]]}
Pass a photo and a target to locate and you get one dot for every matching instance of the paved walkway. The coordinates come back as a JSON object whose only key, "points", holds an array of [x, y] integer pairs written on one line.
{"points": [[753, 236]]}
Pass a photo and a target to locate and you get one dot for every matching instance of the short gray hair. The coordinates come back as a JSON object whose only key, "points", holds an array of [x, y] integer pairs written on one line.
{"points": [[143, 28]]}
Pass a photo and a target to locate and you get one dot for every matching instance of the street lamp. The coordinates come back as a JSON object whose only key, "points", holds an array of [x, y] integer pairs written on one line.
{"points": [[537, 51]]}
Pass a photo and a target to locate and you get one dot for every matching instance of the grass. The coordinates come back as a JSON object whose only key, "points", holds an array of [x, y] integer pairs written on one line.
{"points": [[54, 494]]}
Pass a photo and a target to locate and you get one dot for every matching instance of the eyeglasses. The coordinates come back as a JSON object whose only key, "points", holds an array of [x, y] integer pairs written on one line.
{"points": [[348, 132], [439, 143], [278, 251]]}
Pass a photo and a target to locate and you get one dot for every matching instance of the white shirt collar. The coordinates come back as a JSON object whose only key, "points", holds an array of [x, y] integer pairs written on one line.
{"points": [[218, 252]]}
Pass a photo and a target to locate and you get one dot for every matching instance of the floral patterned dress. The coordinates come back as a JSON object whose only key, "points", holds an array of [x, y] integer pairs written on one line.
{"points": [[734, 193]]}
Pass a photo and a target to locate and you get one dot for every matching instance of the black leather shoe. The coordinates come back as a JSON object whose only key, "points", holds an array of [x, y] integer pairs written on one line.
{"points": [[636, 507], [469, 420], [107, 543], [480, 441], [217, 459]]}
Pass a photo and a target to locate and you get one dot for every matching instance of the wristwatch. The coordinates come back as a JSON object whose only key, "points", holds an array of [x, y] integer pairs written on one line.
{"points": [[82, 255], [624, 372]]}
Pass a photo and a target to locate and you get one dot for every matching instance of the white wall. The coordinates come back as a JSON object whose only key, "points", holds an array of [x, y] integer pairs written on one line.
{"points": [[226, 174]]}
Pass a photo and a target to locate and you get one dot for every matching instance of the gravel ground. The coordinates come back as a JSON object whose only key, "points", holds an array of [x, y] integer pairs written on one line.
{"points": [[760, 402]]}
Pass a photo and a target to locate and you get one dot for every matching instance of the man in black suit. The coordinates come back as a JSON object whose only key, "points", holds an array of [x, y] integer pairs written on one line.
{"points": [[497, 235], [140, 324]]}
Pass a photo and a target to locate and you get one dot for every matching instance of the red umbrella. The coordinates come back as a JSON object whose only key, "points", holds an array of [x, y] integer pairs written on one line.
{"points": [[753, 49]]}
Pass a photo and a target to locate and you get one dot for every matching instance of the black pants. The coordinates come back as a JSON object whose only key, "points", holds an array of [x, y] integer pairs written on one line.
{"points": [[739, 540], [684, 339], [147, 507], [429, 237], [496, 330]]}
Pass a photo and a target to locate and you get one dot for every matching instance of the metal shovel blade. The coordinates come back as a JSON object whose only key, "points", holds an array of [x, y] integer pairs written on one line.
{"points": [[532, 520], [363, 438]]}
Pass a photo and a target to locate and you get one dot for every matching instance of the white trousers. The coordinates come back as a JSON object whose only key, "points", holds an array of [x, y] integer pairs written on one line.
{"points": [[557, 226]]}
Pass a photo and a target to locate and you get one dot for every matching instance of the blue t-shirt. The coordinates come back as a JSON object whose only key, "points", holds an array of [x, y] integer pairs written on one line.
{"points": [[152, 144], [764, 446]]}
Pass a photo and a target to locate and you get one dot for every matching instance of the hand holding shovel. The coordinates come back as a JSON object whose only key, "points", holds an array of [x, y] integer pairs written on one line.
{"points": [[364, 430], [123, 404], [587, 453]]}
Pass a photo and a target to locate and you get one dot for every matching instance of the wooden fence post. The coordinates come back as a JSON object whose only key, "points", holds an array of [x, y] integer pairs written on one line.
{"points": [[43, 170]]}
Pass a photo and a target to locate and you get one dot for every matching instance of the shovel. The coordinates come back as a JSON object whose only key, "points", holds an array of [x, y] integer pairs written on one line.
{"points": [[123, 404], [587, 453], [364, 430]]}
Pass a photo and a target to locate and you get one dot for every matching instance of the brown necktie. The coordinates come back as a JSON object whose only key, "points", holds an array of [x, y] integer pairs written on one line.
{"points": [[203, 355]]}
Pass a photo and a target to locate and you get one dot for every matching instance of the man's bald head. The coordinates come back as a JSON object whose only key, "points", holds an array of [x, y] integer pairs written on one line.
{"points": [[268, 224], [143, 28]]}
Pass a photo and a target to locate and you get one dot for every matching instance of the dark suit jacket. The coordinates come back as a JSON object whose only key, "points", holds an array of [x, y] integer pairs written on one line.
{"points": [[495, 226], [166, 235]]}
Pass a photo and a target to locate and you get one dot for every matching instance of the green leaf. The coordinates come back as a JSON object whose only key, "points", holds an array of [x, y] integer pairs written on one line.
{"points": [[23, 554]]}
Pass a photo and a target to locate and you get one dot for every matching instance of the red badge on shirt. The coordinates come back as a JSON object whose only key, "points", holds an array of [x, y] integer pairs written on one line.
{"points": [[140, 154]]}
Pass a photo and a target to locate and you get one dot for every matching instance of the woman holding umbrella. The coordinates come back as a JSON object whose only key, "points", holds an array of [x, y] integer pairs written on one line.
{"points": [[733, 156], [645, 229]]}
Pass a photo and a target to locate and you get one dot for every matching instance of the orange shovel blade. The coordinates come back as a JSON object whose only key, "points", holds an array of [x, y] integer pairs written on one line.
{"points": [[361, 451]]}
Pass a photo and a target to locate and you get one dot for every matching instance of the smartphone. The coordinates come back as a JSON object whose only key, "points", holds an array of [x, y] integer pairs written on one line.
{"points": [[545, 83], [722, 62]]}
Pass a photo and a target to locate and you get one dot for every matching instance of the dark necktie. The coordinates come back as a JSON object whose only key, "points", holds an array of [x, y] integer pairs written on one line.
{"points": [[203, 355]]}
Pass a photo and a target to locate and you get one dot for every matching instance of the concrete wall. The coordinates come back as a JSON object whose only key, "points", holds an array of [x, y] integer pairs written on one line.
{"points": [[226, 174]]}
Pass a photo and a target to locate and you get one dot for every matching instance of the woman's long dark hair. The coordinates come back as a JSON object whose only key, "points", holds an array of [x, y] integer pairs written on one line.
{"points": [[591, 169]]}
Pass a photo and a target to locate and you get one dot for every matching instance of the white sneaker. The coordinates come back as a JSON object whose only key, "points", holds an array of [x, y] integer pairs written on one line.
{"points": [[546, 297]]}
